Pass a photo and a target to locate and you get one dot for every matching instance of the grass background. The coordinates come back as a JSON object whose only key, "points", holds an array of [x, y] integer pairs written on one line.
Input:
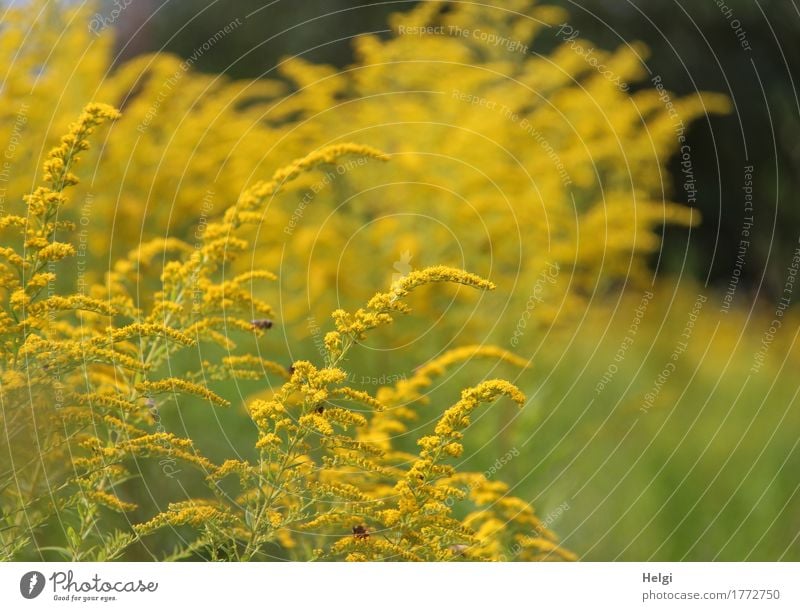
{"points": [[709, 472]]}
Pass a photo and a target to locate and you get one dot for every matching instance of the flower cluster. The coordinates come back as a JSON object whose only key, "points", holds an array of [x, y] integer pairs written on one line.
{"points": [[324, 481], [529, 161], [511, 164]]}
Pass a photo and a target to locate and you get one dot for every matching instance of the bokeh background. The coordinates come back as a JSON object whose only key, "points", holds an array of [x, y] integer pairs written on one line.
{"points": [[623, 460], [692, 47]]}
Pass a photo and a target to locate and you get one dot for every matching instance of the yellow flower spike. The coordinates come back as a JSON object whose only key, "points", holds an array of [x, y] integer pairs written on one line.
{"points": [[10, 255], [408, 390], [252, 367], [193, 513], [172, 385], [139, 330], [94, 399], [71, 303], [359, 396], [55, 251], [269, 440], [344, 417], [440, 273], [40, 280], [110, 501], [19, 299], [241, 468], [46, 201], [453, 449], [333, 344], [261, 274], [545, 547], [310, 465], [275, 519], [166, 444], [317, 423], [257, 195], [328, 154], [266, 409], [456, 416], [377, 312], [429, 442]]}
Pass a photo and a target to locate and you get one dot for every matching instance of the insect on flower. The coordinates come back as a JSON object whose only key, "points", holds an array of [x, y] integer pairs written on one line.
{"points": [[262, 323], [360, 532]]}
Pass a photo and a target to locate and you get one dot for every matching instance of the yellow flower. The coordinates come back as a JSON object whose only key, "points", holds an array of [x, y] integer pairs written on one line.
{"points": [[193, 513], [457, 416], [172, 385], [110, 501]]}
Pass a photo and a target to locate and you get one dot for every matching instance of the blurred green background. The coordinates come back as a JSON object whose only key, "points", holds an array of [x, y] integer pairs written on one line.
{"points": [[710, 471], [694, 48]]}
